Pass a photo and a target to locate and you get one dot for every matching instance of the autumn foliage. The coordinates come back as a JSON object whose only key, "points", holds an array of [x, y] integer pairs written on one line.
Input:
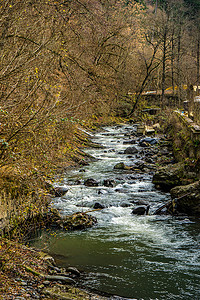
{"points": [[68, 64]]}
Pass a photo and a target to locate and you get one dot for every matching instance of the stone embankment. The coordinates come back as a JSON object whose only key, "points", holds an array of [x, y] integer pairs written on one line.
{"points": [[183, 178]]}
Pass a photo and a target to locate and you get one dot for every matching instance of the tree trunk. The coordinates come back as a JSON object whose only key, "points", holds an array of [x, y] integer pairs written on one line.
{"points": [[198, 65], [172, 62], [164, 66], [178, 67]]}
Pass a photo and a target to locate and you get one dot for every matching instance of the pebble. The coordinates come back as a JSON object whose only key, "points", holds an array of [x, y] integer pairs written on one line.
{"points": [[46, 282]]}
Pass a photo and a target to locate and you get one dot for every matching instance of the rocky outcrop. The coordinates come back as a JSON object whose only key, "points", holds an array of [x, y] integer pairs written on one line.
{"points": [[187, 199], [169, 176]]}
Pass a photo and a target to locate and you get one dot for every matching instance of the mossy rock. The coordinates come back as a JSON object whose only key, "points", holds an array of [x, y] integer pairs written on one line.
{"points": [[78, 221], [169, 176], [187, 198]]}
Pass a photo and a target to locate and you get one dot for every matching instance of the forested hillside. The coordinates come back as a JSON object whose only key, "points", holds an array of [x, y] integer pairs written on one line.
{"points": [[66, 64]]}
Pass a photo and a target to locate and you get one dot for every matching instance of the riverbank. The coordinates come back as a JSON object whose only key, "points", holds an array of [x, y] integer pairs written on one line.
{"points": [[152, 158], [127, 254], [29, 274], [26, 195]]}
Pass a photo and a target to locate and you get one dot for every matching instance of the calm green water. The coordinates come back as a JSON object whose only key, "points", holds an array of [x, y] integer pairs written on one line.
{"points": [[135, 257]]}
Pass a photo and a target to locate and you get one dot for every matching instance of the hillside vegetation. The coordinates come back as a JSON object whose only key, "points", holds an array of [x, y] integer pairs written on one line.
{"points": [[67, 65]]}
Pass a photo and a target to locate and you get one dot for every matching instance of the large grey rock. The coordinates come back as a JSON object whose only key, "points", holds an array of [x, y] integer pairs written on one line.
{"points": [[187, 198], [131, 150]]}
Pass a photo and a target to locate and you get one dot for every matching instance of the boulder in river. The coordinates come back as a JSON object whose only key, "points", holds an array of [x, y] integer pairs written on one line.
{"points": [[131, 150], [78, 221], [141, 210], [98, 205], [60, 191], [187, 198], [109, 182], [91, 182], [121, 166]]}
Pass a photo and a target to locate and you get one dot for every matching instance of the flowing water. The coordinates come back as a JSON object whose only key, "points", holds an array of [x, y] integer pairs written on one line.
{"points": [[135, 257]]}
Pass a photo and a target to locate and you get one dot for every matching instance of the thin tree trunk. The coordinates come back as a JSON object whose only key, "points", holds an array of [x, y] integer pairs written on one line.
{"points": [[164, 66], [198, 65], [178, 67], [172, 62]]}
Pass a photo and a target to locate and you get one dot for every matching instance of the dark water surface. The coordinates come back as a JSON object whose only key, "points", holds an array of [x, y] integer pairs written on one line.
{"points": [[135, 257]]}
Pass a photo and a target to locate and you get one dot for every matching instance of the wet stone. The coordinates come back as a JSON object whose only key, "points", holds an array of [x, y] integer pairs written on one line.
{"points": [[141, 210], [98, 206], [131, 150], [91, 182], [46, 282], [60, 191], [74, 271]]}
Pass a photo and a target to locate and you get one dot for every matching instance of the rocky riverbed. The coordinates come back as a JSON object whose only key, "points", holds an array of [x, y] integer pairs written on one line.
{"points": [[115, 197], [119, 254]]}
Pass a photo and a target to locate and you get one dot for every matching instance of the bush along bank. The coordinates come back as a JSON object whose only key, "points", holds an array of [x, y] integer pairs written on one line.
{"points": [[26, 195]]}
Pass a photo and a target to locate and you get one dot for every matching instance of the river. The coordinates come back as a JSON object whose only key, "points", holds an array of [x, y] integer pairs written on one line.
{"points": [[135, 257]]}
